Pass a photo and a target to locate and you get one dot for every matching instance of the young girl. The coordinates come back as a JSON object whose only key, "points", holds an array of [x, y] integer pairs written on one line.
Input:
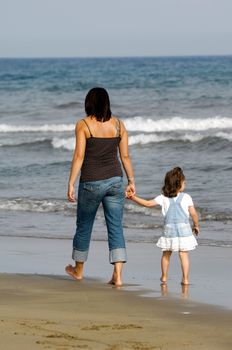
{"points": [[178, 234]]}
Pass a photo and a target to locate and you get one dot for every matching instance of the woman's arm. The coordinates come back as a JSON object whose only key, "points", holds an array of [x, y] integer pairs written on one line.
{"points": [[144, 202], [194, 216], [125, 158], [78, 158]]}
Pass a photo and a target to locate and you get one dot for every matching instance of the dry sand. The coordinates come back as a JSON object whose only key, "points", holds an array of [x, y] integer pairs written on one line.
{"points": [[51, 312]]}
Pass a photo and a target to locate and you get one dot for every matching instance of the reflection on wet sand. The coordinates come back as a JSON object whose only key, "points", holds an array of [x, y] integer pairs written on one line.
{"points": [[164, 289], [184, 290]]}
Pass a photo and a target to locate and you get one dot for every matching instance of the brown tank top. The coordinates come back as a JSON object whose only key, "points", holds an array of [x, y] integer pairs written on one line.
{"points": [[101, 158]]}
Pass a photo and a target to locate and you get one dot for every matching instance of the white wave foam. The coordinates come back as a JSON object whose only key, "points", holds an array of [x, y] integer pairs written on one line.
{"points": [[224, 135], [136, 124], [140, 139], [5, 128], [63, 206], [34, 205], [135, 209], [177, 123], [68, 144], [143, 139], [14, 143]]}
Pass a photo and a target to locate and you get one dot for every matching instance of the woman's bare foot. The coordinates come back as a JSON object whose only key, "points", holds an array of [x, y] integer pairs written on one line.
{"points": [[116, 281], [73, 272]]}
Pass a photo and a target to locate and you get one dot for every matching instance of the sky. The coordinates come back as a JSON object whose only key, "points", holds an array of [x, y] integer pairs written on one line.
{"points": [[93, 28]]}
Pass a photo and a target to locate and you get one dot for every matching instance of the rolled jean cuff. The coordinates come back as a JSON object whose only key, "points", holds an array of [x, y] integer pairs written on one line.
{"points": [[79, 255], [117, 255]]}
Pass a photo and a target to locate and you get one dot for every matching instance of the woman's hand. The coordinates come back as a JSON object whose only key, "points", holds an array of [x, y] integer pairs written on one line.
{"points": [[71, 193]]}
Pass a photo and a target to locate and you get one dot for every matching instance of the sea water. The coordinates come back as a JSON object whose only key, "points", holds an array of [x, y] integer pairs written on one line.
{"points": [[177, 110]]}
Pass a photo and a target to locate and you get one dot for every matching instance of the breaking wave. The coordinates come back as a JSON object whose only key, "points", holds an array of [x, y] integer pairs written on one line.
{"points": [[62, 205], [177, 123], [139, 139], [136, 124]]}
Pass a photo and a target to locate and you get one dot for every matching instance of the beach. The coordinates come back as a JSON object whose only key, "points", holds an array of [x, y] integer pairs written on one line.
{"points": [[43, 308], [177, 111], [48, 312]]}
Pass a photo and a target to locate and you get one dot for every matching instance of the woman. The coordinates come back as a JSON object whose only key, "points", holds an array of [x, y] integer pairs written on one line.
{"points": [[98, 138]]}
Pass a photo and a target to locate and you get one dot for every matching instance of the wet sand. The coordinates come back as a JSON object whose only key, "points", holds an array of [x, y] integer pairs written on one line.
{"points": [[210, 267], [51, 312]]}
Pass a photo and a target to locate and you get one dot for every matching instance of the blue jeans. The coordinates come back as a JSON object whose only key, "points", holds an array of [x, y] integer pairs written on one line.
{"points": [[110, 193]]}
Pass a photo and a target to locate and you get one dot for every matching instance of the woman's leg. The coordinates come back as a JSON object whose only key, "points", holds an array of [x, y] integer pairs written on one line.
{"points": [[113, 202], [184, 258], [116, 278], [75, 271], [88, 203], [165, 260]]}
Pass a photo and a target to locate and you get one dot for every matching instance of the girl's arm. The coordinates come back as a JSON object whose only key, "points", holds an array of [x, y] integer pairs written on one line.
{"points": [[194, 216], [78, 158], [125, 158], [144, 202]]}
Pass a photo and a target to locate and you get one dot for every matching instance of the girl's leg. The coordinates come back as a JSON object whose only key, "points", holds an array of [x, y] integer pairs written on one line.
{"points": [[184, 258], [165, 260]]}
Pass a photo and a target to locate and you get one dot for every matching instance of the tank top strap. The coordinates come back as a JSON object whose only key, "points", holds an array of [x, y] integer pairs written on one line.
{"points": [[87, 127], [118, 128], [180, 197]]}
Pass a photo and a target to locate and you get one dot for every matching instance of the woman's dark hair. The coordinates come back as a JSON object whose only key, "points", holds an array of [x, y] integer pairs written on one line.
{"points": [[97, 104], [173, 182]]}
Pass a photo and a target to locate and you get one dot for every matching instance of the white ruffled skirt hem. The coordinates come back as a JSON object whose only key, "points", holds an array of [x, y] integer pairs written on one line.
{"points": [[176, 244]]}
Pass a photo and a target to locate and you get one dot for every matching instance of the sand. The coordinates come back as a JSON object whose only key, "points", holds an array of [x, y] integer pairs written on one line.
{"points": [[210, 267], [51, 312], [42, 308]]}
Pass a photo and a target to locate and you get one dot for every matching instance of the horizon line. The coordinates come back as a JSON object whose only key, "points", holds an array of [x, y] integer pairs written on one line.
{"points": [[129, 56]]}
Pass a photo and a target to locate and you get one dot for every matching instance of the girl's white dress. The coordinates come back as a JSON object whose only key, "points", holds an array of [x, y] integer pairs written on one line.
{"points": [[177, 235]]}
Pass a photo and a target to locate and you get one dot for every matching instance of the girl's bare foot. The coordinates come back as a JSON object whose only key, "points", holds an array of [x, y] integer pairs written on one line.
{"points": [[73, 272], [185, 282], [163, 280]]}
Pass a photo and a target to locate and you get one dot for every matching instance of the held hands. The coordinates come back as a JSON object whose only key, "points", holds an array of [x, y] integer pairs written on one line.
{"points": [[71, 194], [196, 230], [130, 191]]}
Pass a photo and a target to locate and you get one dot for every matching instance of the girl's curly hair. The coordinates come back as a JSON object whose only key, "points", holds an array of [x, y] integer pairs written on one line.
{"points": [[173, 182]]}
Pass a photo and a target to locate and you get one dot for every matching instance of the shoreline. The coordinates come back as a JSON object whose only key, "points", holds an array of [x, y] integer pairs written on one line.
{"points": [[209, 268], [59, 313]]}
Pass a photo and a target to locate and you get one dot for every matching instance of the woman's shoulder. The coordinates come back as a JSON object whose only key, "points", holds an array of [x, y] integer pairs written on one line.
{"points": [[82, 122], [81, 125], [116, 119], [119, 123]]}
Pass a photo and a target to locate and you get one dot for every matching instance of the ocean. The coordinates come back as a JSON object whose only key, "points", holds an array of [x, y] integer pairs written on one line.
{"points": [[177, 110]]}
